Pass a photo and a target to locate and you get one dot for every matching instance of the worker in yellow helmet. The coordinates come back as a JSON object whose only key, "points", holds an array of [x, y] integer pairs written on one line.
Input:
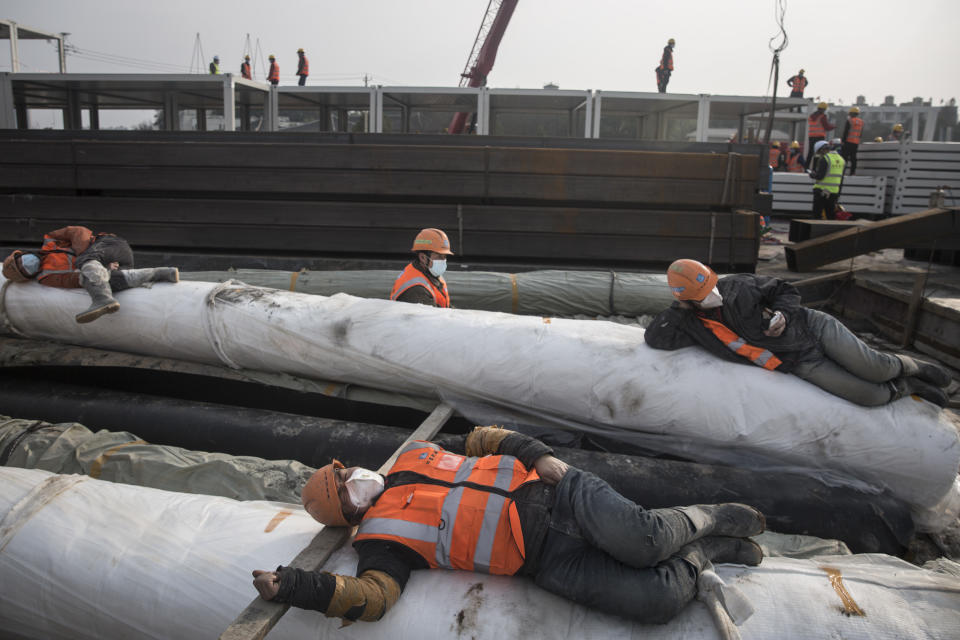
{"points": [[273, 76], [851, 139], [797, 84], [303, 67], [666, 66], [245, 71], [896, 135], [795, 163], [818, 124]]}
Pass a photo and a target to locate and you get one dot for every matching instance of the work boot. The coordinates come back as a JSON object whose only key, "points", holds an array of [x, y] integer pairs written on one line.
{"points": [[140, 277], [926, 371], [103, 301], [905, 386], [721, 549], [727, 519]]}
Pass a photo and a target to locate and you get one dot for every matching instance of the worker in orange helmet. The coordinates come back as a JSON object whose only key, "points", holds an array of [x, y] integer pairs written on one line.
{"points": [[758, 320], [518, 511], [421, 282]]}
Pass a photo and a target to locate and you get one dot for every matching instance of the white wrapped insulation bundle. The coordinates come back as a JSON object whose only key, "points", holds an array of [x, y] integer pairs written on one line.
{"points": [[83, 558], [587, 375]]}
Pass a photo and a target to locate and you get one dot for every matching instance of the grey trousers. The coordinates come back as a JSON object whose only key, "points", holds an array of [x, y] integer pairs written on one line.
{"points": [[851, 369]]}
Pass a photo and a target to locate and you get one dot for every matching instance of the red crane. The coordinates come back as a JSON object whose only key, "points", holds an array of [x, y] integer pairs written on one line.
{"points": [[484, 51]]}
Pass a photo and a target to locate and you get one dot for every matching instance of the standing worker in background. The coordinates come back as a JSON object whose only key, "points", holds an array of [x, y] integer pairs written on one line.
{"points": [[74, 257], [421, 282], [215, 66], [758, 320], [851, 139], [666, 66], [778, 162], [797, 84], [273, 76], [896, 134], [795, 158], [817, 124], [303, 67], [509, 507], [245, 69], [827, 170]]}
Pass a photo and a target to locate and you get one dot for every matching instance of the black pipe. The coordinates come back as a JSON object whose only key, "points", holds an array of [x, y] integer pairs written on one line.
{"points": [[792, 503]]}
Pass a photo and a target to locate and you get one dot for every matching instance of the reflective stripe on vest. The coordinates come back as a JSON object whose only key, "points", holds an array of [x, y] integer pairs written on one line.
{"points": [[274, 72], [411, 277], [458, 517], [56, 257], [799, 83], [793, 161], [834, 176], [304, 69], [815, 123], [756, 355], [775, 157], [856, 128]]}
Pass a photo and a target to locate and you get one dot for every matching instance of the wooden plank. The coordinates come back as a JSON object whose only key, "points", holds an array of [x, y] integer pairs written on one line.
{"points": [[260, 616], [916, 227]]}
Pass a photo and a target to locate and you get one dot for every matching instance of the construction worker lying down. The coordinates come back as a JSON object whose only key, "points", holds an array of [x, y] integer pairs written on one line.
{"points": [[509, 507], [74, 257], [759, 320]]}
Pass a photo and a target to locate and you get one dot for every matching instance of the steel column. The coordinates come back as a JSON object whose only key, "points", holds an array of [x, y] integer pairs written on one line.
{"points": [[229, 103]]}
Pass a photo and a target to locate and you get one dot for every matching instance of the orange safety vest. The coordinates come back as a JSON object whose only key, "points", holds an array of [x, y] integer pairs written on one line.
{"points": [[815, 123], [304, 69], [274, 72], [411, 277], [856, 128], [666, 60], [775, 157], [756, 355], [457, 514], [793, 161], [58, 264], [799, 83], [245, 71]]}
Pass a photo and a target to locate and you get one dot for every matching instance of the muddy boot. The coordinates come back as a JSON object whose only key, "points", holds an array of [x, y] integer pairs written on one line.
{"points": [[140, 277], [103, 302], [905, 386], [926, 371], [727, 519], [721, 549]]}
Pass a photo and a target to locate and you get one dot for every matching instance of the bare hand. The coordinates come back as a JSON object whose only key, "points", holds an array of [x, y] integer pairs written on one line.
{"points": [[267, 583], [551, 469], [114, 266], [777, 326]]}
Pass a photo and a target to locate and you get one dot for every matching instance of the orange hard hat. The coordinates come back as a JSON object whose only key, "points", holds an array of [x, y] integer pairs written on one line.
{"points": [[432, 240], [690, 280], [320, 497], [11, 270]]}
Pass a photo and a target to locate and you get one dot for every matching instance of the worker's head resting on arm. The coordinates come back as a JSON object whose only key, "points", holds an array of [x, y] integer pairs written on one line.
{"points": [[694, 283], [431, 248], [20, 266], [337, 496]]}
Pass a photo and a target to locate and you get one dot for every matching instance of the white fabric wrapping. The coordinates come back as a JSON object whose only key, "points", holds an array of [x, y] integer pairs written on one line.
{"points": [[587, 375], [91, 559]]}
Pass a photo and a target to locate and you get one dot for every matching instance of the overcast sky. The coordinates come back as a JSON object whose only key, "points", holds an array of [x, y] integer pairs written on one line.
{"points": [[876, 48]]}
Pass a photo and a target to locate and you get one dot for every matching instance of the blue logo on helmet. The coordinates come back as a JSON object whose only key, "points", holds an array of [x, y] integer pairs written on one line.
{"points": [[701, 277]]}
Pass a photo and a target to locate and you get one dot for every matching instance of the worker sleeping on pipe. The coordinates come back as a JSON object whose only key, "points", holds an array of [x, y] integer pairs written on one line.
{"points": [[759, 320], [74, 257], [509, 507]]}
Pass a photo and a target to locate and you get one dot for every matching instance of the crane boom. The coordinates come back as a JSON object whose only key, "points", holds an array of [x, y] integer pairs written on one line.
{"points": [[484, 51]]}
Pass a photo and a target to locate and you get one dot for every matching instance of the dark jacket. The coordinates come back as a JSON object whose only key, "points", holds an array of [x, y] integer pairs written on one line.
{"points": [[746, 297]]}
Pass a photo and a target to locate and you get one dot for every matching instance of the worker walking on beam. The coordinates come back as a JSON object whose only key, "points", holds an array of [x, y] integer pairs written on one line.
{"points": [[665, 69], [421, 282], [273, 75], [245, 71], [509, 507], [852, 132], [303, 67], [818, 124], [74, 257], [759, 321], [215, 66], [827, 170]]}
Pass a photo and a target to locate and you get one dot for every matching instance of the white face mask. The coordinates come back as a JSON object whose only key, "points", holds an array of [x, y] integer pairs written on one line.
{"points": [[30, 263], [438, 267], [712, 301], [363, 487]]}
